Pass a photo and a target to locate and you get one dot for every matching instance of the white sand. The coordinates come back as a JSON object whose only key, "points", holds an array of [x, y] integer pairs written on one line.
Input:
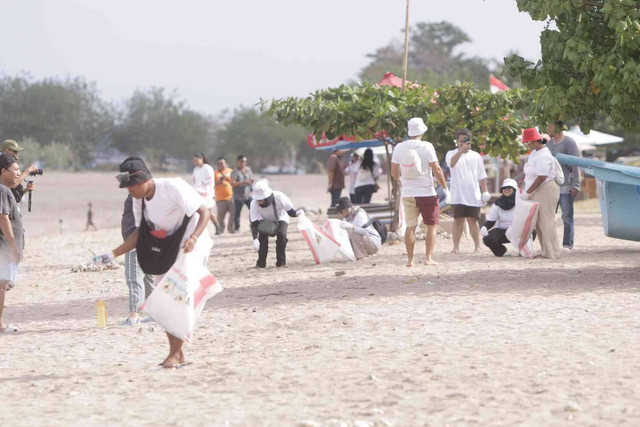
{"points": [[475, 341]]}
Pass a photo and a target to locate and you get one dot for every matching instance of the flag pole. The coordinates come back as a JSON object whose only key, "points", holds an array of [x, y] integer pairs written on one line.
{"points": [[406, 49]]}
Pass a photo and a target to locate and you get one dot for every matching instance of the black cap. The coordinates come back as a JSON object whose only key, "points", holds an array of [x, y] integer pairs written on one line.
{"points": [[7, 160], [133, 171], [343, 203]]}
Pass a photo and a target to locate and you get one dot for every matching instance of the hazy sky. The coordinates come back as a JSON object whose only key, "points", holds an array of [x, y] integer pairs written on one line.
{"points": [[220, 54]]}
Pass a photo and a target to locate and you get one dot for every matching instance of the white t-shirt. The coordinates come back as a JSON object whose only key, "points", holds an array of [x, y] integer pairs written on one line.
{"points": [[173, 199], [203, 181], [360, 219], [352, 172], [503, 218], [465, 178], [365, 176], [283, 204], [417, 187], [539, 163]]}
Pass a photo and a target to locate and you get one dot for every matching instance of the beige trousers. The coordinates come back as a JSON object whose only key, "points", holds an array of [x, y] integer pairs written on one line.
{"points": [[547, 195], [363, 246]]}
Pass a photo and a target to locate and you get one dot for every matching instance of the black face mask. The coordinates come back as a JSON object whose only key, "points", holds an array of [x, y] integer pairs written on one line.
{"points": [[266, 202], [505, 202]]}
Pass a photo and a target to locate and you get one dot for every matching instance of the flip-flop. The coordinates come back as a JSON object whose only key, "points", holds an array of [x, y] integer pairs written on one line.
{"points": [[9, 330], [160, 366]]}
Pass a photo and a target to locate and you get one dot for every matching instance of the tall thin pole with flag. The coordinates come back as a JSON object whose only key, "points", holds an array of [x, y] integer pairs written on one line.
{"points": [[406, 49]]}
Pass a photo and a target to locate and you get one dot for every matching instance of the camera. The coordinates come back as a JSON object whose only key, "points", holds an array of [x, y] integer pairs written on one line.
{"points": [[36, 172]]}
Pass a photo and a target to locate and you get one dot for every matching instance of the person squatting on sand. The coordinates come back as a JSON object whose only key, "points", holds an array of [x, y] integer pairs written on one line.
{"points": [[500, 214], [203, 177], [412, 164], [468, 177], [269, 213], [365, 239], [11, 231], [540, 186], [171, 214]]}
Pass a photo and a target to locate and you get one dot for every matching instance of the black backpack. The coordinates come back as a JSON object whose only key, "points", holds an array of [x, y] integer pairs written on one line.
{"points": [[380, 228]]}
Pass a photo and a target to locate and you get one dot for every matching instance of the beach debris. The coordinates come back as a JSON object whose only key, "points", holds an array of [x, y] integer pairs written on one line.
{"points": [[340, 273], [429, 283], [411, 280], [254, 309], [572, 407], [308, 423], [84, 268]]}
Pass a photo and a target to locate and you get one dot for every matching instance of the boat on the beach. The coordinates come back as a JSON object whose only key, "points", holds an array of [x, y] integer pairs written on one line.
{"points": [[619, 194]]}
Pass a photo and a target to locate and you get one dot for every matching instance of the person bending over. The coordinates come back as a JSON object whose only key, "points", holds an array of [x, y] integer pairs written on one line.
{"points": [[365, 239]]}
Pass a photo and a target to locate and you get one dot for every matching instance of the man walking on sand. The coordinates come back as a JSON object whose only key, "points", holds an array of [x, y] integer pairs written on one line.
{"points": [[413, 163], [560, 143], [468, 177], [224, 195], [11, 231]]}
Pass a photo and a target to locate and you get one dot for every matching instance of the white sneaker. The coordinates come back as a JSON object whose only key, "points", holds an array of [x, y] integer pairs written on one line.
{"points": [[566, 251]]}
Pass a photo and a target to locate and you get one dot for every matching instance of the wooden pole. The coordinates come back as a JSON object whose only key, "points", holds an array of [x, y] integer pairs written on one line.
{"points": [[405, 59]]}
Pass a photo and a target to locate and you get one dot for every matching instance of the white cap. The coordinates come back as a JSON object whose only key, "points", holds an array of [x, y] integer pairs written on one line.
{"points": [[417, 127], [509, 183], [261, 190]]}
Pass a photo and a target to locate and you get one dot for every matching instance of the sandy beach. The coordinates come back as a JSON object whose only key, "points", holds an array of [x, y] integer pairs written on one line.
{"points": [[477, 340]]}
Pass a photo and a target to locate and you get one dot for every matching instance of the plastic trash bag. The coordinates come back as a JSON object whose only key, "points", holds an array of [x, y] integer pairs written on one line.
{"points": [[177, 301], [323, 247], [524, 222], [340, 235]]}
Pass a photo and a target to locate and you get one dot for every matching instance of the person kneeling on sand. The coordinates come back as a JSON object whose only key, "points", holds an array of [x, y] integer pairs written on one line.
{"points": [[269, 213], [500, 218], [365, 239], [11, 232], [171, 214]]}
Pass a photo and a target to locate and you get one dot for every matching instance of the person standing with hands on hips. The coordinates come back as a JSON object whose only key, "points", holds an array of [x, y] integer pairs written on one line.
{"points": [[224, 195], [269, 214], [468, 177]]}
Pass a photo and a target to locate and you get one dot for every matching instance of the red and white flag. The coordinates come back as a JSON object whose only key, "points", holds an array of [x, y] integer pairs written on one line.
{"points": [[496, 85]]}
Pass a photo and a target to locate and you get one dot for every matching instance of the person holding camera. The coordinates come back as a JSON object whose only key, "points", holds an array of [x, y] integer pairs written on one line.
{"points": [[468, 188], [11, 231], [11, 147], [269, 213]]}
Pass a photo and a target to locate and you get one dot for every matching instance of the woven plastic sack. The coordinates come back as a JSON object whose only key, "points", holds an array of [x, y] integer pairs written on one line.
{"points": [[323, 247], [524, 222], [177, 301], [340, 235]]}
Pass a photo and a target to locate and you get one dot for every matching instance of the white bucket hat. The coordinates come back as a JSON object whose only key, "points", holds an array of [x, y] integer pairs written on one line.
{"points": [[261, 190], [509, 183], [417, 127]]}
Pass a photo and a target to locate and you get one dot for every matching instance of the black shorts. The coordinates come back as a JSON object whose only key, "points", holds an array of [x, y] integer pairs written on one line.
{"points": [[464, 211]]}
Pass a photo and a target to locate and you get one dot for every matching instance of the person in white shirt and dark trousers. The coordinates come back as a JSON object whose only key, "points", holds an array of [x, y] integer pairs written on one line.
{"points": [[500, 218], [468, 178], [367, 177], [271, 207]]}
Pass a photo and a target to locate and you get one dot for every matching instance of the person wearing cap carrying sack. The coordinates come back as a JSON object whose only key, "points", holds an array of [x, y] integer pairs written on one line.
{"points": [[540, 186], [500, 216], [9, 146], [170, 216], [414, 163], [269, 213]]}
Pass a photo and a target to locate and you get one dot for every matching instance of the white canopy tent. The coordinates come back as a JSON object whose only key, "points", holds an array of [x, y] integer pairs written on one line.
{"points": [[593, 138]]}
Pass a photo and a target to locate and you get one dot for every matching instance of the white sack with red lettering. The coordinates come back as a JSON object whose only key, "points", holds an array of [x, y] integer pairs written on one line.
{"points": [[340, 235], [323, 247], [524, 222]]}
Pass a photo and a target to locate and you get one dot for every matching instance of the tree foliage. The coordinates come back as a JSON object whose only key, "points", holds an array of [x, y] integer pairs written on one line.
{"points": [[258, 136], [590, 62], [159, 124], [366, 110], [433, 57], [69, 111]]}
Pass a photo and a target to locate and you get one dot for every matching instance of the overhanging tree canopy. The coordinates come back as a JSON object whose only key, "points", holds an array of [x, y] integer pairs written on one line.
{"points": [[366, 110]]}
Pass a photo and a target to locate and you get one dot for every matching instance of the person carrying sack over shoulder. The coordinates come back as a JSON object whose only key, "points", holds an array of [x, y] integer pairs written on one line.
{"points": [[269, 214], [365, 239], [170, 216]]}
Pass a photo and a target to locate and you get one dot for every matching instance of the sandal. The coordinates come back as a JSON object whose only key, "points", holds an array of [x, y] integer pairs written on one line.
{"points": [[9, 329]]}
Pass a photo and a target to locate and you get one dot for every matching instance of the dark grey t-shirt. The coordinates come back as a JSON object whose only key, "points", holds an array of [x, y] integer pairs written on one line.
{"points": [[128, 223], [9, 206], [242, 192]]}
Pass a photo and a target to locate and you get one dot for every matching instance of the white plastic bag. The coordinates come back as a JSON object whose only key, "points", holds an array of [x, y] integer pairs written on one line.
{"points": [[177, 301], [524, 222], [323, 247], [340, 235]]}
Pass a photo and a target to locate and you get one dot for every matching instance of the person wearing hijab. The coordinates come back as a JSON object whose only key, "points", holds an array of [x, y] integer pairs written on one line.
{"points": [[500, 218]]}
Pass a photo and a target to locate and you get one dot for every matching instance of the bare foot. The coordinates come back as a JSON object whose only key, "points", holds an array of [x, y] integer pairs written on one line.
{"points": [[476, 251], [171, 362], [430, 262], [455, 252], [410, 263]]}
